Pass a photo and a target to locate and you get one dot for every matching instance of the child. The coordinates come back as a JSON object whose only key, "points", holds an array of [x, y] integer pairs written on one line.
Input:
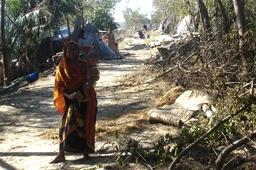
{"points": [[92, 71]]}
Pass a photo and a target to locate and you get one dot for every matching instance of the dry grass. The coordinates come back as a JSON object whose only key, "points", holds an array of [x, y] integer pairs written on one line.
{"points": [[132, 79], [170, 97], [50, 134], [153, 36], [134, 121], [123, 44]]}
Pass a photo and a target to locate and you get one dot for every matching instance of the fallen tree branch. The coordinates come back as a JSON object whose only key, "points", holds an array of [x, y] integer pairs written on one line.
{"points": [[215, 127], [251, 90], [177, 48], [252, 87], [229, 161], [177, 66], [222, 156], [150, 80]]}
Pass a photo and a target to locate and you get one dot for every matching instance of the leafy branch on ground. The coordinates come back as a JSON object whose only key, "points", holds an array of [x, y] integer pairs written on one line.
{"points": [[131, 150]]}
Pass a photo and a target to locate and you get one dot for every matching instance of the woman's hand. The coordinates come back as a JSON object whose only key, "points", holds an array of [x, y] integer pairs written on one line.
{"points": [[73, 95]]}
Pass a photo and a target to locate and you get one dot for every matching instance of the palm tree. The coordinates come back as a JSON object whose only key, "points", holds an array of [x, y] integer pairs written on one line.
{"points": [[6, 53], [26, 22]]}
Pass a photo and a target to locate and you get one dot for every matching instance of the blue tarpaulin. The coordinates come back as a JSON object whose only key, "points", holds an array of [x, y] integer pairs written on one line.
{"points": [[30, 78], [91, 37]]}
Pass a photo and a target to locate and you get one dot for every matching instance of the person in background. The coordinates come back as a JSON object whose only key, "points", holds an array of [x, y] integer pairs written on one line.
{"points": [[141, 34], [145, 27], [77, 126], [109, 37], [92, 72]]}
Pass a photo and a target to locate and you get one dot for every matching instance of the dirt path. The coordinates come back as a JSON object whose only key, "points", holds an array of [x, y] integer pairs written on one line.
{"points": [[29, 120]]}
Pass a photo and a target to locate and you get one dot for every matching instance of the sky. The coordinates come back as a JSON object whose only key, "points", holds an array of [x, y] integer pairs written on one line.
{"points": [[144, 5]]}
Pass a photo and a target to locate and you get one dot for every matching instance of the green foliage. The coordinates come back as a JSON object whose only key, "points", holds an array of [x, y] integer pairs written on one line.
{"points": [[162, 154], [103, 20], [228, 128], [13, 7], [244, 123], [187, 136], [100, 14], [123, 43], [131, 151]]}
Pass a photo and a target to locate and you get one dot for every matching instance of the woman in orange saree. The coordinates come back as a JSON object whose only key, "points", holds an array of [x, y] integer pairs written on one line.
{"points": [[77, 128]]}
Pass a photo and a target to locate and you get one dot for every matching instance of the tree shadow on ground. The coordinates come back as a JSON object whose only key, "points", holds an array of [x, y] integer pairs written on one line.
{"points": [[138, 47]]}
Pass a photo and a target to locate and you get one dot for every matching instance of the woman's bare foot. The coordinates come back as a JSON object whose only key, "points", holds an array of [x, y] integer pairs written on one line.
{"points": [[86, 155], [58, 159]]}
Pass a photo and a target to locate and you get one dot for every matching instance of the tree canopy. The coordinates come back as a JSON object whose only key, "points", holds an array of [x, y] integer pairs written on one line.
{"points": [[134, 19], [101, 16]]}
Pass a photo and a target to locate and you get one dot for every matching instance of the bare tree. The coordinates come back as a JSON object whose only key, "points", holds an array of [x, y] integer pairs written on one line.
{"points": [[246, 55], [204, 15], [222, 21], [195, 15]]}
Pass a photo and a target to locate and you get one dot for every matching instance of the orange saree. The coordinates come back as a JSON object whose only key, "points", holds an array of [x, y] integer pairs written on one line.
{"points": [[77, 128]]}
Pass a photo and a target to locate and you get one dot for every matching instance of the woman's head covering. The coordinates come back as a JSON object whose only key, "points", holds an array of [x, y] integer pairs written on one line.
{"points": [[66, 47]]}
